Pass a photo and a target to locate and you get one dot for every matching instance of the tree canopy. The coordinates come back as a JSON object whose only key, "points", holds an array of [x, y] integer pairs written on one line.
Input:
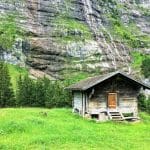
{"points": [[6, 91], [146, 67]]}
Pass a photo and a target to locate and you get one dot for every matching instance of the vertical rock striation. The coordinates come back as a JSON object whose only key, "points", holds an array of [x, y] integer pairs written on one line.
{"points": [[85, 35]]}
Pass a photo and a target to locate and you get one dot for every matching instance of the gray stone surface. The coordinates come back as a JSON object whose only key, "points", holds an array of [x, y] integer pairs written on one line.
{"points": [[53, 45]]}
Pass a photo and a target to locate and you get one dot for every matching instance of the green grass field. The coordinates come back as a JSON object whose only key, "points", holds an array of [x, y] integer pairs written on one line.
{"points": [[31, 129]]}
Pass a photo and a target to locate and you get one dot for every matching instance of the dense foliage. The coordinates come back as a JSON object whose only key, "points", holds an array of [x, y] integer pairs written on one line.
{"points": [[9, 31], [144, 103], [37, 93], [42, 93], [146, 67], [6, 91]]}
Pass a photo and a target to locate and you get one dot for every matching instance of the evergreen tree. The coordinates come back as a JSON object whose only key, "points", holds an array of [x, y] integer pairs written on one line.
{"points": [[26, 91], [6, 91], [49, 96], [39, 93], [57, 96], [142, 102], [19, 94]]}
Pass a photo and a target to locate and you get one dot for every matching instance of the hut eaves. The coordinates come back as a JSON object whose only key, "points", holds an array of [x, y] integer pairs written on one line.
{"points": [[92, 81]]}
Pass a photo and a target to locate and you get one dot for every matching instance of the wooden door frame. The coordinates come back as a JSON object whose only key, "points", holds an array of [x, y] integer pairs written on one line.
{"points": [[116, 93]]}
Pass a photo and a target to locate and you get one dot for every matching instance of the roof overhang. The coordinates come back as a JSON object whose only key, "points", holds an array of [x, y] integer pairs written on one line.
{"points": [[91, 82]]}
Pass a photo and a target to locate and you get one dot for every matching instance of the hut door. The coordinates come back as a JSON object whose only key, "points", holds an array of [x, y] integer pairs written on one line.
{"points": [[112, 100]]}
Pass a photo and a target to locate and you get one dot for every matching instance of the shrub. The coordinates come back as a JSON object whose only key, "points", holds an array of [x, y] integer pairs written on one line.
{"points": [[148, 105], [142, 102], [146, 67]]}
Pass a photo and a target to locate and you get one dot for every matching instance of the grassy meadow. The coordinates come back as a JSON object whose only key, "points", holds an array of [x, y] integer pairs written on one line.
{"points": [[54, 129]]}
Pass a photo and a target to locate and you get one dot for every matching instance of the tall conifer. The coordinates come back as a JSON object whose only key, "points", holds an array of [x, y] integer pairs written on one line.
{"points": [[6, 91]]}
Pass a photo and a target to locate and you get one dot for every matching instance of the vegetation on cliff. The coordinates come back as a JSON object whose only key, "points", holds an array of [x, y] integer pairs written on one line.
{"points": [[141, 62], [9, 31], [71, 30], [126, 31], [146, 67], [98, 24]]}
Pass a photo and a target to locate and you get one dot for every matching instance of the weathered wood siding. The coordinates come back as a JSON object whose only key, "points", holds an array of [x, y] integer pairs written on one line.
{"points": [[128, 102], [128, 105], [77, 101], [127, 93], [97, 103]]}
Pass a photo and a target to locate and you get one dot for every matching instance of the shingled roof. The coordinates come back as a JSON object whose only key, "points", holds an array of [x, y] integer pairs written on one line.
{"points": [[92, 81]]}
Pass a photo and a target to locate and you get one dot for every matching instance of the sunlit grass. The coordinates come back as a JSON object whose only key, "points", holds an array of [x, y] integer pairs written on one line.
{"points": [[35, 128]]}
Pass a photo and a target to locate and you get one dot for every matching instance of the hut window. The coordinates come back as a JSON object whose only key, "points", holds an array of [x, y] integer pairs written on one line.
{"points": [[94, 116]]}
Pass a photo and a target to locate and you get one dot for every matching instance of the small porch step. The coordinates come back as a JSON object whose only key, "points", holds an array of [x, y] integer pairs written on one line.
{"points": [[118, 119], [132, 118], [115, 115]]}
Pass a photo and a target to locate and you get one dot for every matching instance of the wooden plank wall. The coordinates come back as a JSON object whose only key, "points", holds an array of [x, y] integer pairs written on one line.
{"points": [[127, 96], [77, 101]]}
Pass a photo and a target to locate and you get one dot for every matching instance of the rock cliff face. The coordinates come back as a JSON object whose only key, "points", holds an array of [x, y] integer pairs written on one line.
{"points": [[87, 35]]}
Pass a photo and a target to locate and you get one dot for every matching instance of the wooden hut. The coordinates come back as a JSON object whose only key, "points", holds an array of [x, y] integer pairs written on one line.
{"points": [[111, 96]]}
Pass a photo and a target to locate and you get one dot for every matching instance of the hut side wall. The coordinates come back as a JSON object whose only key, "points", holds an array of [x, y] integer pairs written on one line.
{"points": [[127, 95], [128, 102], [78, 102]]}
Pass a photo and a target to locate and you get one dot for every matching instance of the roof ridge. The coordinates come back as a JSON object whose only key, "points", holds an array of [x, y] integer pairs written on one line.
{"points": [[92, 81]]}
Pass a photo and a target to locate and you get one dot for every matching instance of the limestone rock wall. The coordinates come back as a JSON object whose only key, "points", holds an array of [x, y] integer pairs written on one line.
{"points": [[78, 34]]}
